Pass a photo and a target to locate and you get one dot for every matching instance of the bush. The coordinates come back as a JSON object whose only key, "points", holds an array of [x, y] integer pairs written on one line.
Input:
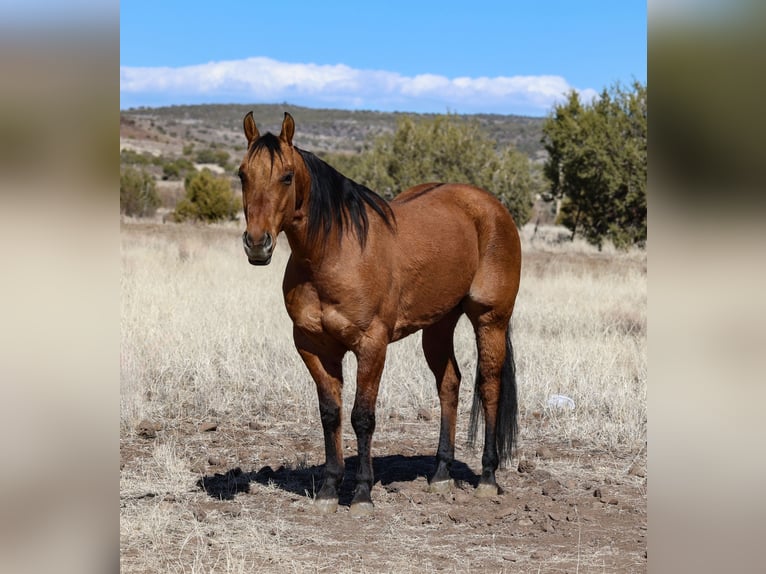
{"points": [[216, 156], [208, 198], [138, 193], [175, 169], [446, 149], [132, 157]]}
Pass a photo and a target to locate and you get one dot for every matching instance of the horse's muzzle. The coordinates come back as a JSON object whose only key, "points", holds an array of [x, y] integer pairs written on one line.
{"points": [[260, 252]]}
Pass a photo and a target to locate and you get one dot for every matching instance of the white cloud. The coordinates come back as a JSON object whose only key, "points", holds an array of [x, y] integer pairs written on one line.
{"points": [[267, 80]]}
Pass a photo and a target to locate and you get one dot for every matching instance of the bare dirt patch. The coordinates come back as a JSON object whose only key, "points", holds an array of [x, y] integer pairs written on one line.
{"points": [[573, 509]]}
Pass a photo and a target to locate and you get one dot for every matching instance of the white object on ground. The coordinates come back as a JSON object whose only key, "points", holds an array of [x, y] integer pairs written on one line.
{"points": [[560, 402]]}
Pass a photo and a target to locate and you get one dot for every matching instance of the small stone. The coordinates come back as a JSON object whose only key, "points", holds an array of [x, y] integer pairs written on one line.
{"points": [[551, 487], [505, 513], [424, 415], [208, 427], [637, 470], [524, 522], [555, 516], [526, 465], [544, 452], [456, 517], [214, 461], [147, 428]]}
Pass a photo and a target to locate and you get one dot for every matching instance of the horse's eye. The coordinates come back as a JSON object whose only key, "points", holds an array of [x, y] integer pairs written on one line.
{"points": [[287, 179], [241, 175]]}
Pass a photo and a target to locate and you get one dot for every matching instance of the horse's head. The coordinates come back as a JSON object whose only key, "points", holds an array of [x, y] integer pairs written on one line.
{"points": [[268, 175]]}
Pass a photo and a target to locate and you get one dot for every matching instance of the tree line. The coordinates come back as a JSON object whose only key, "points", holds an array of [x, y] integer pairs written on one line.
{"points": [[595, 170]]}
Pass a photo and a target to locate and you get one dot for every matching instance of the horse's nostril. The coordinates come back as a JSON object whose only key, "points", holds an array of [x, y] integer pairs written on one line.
{"points": [[267, 240], [247, 239]]}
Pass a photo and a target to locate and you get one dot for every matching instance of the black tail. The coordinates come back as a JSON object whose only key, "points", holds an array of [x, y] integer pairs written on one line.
{"points": [[508, 408]]}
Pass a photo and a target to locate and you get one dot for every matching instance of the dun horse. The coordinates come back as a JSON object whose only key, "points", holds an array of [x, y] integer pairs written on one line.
{"points": [[364, 272]]}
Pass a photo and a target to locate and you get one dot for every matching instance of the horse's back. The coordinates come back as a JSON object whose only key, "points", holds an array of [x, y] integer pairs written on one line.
{"points": [[459, 213]]}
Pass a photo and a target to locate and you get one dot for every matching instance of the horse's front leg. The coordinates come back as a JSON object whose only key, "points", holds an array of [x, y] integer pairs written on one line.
{"points": [[370, 362], [325, 366]]}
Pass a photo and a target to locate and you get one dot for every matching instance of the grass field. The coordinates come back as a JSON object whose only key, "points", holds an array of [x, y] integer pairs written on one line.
{"points": [[205, 337], [204, 333]]}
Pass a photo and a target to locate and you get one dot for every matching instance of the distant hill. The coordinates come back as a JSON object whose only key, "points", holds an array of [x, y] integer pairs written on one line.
{"points": [[167, 130]]}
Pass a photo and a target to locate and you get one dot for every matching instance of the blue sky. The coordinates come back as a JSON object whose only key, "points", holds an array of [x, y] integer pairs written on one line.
{"points": [[466, 57]]}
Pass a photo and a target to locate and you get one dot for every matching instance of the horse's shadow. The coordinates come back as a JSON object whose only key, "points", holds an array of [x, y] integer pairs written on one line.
{"points": [[305, 481]]}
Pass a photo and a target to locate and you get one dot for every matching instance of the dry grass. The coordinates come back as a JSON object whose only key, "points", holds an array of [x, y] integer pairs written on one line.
{"points": [[206, 336]]}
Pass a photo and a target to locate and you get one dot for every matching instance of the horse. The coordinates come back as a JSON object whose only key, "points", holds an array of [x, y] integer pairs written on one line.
{"points": [[364, 272]]}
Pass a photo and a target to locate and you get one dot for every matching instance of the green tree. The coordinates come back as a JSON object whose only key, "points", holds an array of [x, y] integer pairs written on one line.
{"points": [[446, 149], [138, 193], [597, 164], [208, 198], [216, 156]]}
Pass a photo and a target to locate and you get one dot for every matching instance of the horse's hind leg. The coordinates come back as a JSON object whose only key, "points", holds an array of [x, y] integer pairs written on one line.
{"points": [[490, 340], [438, 348]]}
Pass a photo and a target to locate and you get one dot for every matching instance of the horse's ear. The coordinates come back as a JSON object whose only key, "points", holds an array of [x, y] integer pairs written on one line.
{"points": [[288, 129], [251, 132]]}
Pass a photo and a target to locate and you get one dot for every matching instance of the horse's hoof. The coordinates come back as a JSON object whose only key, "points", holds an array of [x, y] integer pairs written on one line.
{"points": [[326, 505], [361, 509], [441, 486], [486, 490]]}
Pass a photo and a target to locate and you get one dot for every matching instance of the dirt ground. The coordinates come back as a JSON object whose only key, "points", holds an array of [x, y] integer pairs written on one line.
{"points": [[565, 507]]}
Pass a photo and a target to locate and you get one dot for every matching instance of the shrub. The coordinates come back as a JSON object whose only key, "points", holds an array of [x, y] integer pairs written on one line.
{"points": [[138, 193], [208, 198], [175, 169], [216, 156], [448, 149]]}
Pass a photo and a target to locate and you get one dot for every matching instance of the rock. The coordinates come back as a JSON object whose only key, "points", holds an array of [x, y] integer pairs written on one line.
{"points": [[208, 427], [214, 461], [544, 452], [637, 470], [526, 465], [147, 428], [551, 487], [424, 415], [524, 522], [505, 513], [555, 516]]}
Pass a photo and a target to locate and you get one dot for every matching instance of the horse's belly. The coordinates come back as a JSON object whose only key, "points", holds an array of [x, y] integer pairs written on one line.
{"points": [[426, 304]]}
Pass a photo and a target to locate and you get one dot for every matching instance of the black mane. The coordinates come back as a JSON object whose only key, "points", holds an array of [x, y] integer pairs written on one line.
{"points": [[269, 142], [337, 201]]}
